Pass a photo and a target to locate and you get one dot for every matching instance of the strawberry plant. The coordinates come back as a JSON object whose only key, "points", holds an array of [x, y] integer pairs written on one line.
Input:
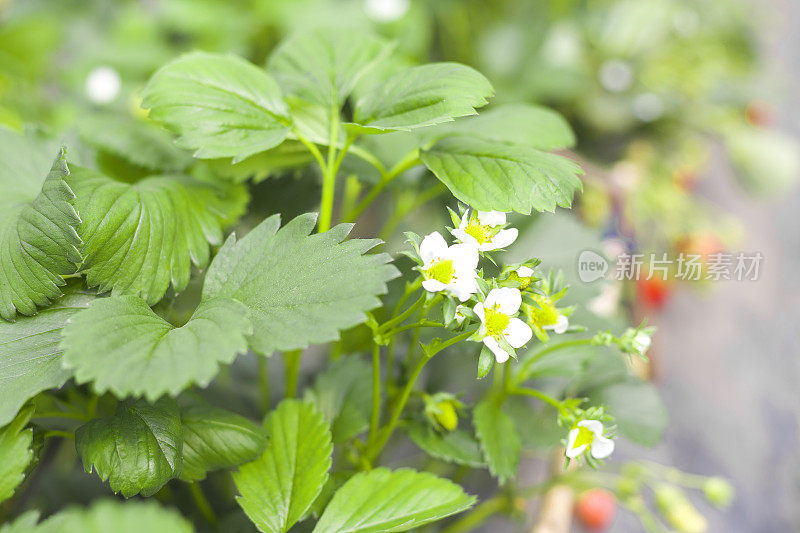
{"points": [[148, 286]]}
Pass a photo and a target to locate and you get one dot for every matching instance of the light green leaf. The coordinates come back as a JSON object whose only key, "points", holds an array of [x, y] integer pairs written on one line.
{"points": [[523, 124], [324, 65], [499, 439], [456, 446], [382, 500], [221, 105], [121, 345], [128, 517], [501, 177], [299, 288], [138, 449], [278, 488], [140, 237], [30, 358], [214, 438], [38, 240], [423, 96], [15, 453], [343, 395], [637, 409], [25, 523], [140, 143]]}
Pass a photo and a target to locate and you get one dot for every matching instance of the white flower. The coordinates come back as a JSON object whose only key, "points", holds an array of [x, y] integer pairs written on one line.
{"points": [[483, 230], [641, 342], [102, 85], [450, 269], [588, 434], [386, 10], [497, 321], [524, 272], [561, 325]]}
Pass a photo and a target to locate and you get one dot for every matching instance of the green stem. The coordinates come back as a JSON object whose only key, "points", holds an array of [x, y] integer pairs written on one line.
{"points": [[202, 503], [263, 383], [329, 172], [375, 419], [292, 361], [478, 515], [59, 433], [61, 414], [420, 324], [410, 160], [404, 315], [399, 215], [522, 371], [524, 391]]}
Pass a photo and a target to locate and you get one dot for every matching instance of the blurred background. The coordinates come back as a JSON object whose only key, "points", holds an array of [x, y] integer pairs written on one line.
{"points": [[686, 117]]}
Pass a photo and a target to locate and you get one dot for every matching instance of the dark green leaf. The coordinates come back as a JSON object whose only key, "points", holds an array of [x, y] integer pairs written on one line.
{"points": [[299, 288], [138, 449], [499, 439], [278, 488], [343, 395]]}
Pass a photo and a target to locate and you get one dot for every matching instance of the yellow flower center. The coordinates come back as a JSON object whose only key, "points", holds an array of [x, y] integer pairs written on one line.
{"points": [[482, 234], [523, 282], [544, 315], [442, 271], [495, 321], [584, 437]]}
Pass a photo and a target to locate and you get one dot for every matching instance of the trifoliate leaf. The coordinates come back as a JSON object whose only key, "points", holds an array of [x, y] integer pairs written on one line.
{"points": [[455, 446], [423, 96], [221, 105], [382, 500], [278, 488], [494, 176], [15, 453], [128, 517], [30, 358], [499, 439], [299, 288], [637, 409], [323, 66], [137, 142], [523, 124], [139, 238], [38, 240], [343, 395], [137, 450], [121, 345], [214, 438]]}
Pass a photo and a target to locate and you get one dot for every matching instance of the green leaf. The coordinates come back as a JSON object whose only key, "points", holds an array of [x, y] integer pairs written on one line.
{"points": [[423, 96], [323, 66], [299, 288], [278, 488], [214, 438], [343, 395], [502, 177], [537, 427], [15, 453], [30, 358], [128, 517], [137, 142], [138, 449], [523, 124], [38, 240], [121, 345], [499, 439], [638, 411], [485, 362], [382, 500], [221, 105], [140, 237], [456, 446]]}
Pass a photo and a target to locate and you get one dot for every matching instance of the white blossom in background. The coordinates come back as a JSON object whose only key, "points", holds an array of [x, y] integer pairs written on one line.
{"points": [[615, 75], [103, 85], [484, 230], [588, 435], [449, 269], [498, 322], [386, 10], [641, 342]]}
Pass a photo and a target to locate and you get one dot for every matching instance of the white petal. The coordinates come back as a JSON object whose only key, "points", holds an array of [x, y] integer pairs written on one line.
{"points": [[433, 246], [479, 311], [464, 237], [464, 256], [507, 298], [463, 288], [499, 354], [503, 239], [433, 285], [517, 333], [601, 447], [491, 218], [561, 325], [595, 426], [573, 452], [464, 220], [524, 272], [642, 342]]}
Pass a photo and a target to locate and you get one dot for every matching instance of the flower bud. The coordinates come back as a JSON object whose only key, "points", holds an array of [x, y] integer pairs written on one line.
{"points": [[676, 508], [719, 492]]}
